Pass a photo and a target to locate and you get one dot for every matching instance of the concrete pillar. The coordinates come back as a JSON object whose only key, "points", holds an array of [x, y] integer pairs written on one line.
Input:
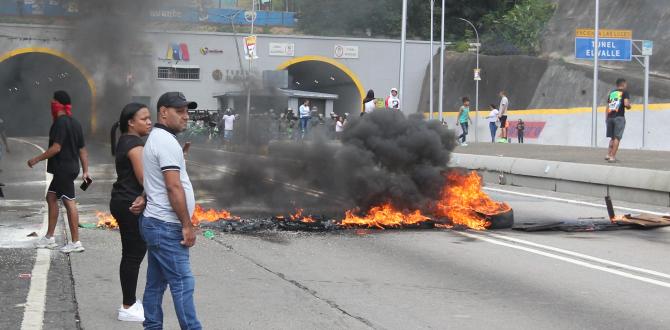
{"points": [[329, 107], [231, 103], [293, 104]]}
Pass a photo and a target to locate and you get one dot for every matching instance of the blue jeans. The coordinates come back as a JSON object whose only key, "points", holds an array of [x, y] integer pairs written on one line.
{"points": [[168, 263], [464, 127], [304, 123], [493, 128]]}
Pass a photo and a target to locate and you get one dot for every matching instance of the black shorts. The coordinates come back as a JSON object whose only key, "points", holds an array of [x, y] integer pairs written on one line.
{"points": [[503, 121], [63, 185]]}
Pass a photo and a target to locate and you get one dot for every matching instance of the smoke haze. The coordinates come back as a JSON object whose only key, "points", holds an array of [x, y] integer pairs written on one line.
{"points": [[383, 157]]}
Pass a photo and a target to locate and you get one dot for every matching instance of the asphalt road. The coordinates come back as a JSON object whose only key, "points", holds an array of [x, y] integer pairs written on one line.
{"points": [[349, 279]]}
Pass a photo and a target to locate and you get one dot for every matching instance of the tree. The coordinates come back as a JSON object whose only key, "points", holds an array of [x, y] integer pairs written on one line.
{"points": [[382, 17]]}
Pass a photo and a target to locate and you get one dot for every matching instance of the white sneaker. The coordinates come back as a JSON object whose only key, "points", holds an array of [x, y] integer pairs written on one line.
{"points": [[134, 313], [46, 243], [72, 247], [464, 144]]}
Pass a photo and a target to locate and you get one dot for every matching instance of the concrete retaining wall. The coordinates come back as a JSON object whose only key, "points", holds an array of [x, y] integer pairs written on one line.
{"points": [[572, 127], [627, 184]]}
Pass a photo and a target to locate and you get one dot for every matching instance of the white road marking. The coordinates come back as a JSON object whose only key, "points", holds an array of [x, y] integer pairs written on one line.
{"points": [[566, 259], [581, 255], [33, 314], [572, 201]]}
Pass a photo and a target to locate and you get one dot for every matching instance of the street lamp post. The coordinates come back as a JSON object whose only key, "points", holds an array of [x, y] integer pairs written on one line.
{"points": [[403, 40], [441, 92], [594, 110], [476, 80], [432, 55]]}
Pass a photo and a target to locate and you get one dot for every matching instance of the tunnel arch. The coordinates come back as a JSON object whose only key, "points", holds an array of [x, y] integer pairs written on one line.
{"points": [[85, 75], [321, 61]]}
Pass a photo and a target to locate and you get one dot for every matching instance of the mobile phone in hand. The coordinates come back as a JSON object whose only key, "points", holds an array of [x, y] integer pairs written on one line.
{"points": [[86, 183]]}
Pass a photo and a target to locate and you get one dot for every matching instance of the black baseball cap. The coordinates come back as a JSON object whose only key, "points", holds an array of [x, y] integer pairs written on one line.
{"points": [[175, 100]]}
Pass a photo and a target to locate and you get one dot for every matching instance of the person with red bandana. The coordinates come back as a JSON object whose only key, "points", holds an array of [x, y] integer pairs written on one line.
{"points": [[66, 150]]}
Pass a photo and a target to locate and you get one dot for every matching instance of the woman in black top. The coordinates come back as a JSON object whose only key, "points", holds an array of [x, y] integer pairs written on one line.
{"points": [[128, 201]]}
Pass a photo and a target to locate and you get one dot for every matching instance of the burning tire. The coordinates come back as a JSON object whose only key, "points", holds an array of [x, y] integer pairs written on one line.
{"points": [[501, 220]]}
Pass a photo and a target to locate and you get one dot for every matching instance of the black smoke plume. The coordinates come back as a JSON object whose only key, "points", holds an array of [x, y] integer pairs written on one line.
{"points": [[108, 37], [383, 157]]}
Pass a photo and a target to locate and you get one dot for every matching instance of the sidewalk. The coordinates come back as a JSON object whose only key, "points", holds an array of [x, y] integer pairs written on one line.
{"points": [[640, 176], [643, 159]]}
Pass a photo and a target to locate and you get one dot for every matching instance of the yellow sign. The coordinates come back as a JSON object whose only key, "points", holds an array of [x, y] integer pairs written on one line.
{"points": [[605, 33]]}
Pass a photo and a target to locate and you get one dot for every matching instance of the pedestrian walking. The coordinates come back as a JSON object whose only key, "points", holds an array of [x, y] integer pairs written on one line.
{"points": [[66, 151], [493, 118], [305, 115], [504, 105], [369, 102], [128, 201], [618, 101], [464, 120], [393, 101], [520, 128], [166, 222]]}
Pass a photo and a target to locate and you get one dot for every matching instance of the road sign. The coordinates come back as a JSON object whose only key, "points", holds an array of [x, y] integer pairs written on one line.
{"points": [[647, 48], [478, 74], [613, 45]]}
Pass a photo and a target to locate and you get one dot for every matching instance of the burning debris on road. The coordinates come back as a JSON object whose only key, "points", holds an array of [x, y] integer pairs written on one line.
{"points": [[106, 221], [462, 204]]}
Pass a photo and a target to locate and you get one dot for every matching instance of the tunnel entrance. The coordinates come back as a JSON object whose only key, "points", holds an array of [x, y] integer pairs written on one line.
{"points": [[324, 75], [28, 80]]}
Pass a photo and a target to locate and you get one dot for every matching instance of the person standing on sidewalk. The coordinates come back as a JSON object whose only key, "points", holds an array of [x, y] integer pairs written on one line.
{"points": [[166, 222], [504, 105], [305, 115], [464, 119], [493, 118], [226, 126], [66, 150], [392, 102], [128, 201], [369, 102], [618, 101], [520, 128]]}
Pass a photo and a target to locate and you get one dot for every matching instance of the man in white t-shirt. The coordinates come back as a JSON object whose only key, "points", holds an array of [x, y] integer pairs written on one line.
{"points": [[227, 124], [504, 104], [166, 224]]}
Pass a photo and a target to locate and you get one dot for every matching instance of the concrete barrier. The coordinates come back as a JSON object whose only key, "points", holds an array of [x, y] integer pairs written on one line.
{"points": [[572, 127], [622, 183]]}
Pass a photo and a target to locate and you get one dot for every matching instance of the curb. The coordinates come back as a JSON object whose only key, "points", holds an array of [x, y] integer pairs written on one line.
{"points": [[621, 183]]}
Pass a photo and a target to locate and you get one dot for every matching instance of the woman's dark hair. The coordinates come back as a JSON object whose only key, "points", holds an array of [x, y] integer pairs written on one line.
{"points": [[466, 99], [127, 114], [369, 97], [493, 106], [62, 97]]}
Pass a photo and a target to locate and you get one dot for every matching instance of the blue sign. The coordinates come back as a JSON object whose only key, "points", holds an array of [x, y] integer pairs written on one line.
{"points": [[608, 49]]}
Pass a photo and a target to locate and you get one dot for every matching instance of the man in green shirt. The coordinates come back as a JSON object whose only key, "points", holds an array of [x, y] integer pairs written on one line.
{"points": [[464, 119]]}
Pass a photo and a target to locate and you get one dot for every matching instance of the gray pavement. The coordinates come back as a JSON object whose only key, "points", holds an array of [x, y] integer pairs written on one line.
{"points": [[362, 279], [647, 159]]}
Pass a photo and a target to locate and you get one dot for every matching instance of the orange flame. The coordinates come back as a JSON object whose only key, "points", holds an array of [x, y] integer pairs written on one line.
{"points": [[302, 218], [465, 203], [106, 220], [210, 215], [384, 216]]}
